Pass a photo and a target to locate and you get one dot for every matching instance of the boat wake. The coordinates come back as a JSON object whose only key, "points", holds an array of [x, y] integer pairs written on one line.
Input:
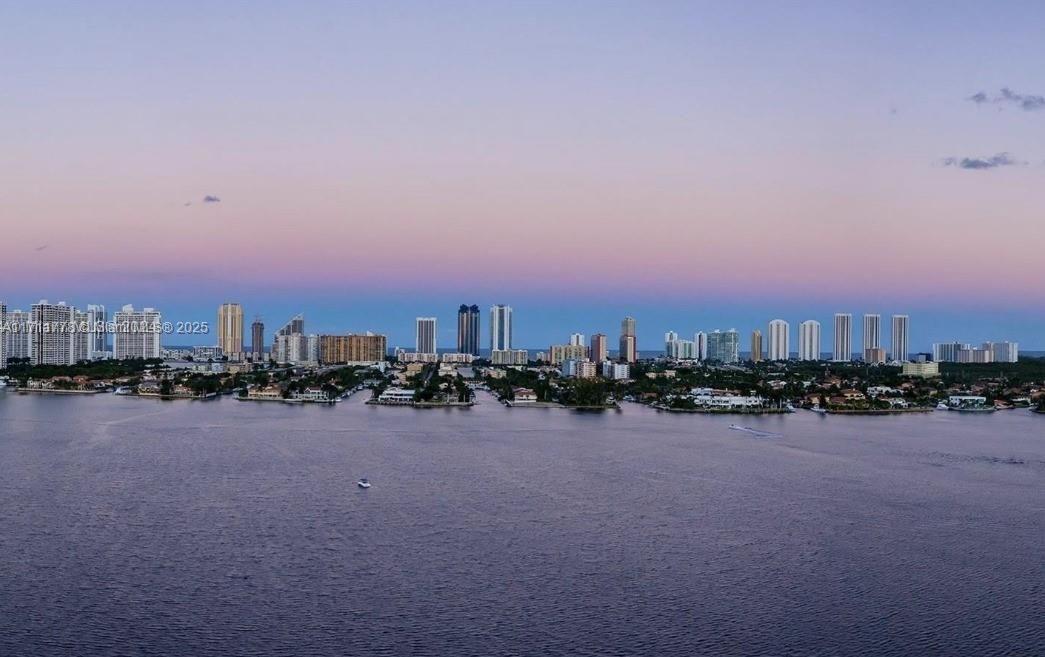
{"points": [[755, 432]]}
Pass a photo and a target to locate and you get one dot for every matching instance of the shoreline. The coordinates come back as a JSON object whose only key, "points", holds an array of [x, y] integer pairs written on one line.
{"points": [[878, 411], [156, 395], [601, 407], [40, 391], [724, 411]]}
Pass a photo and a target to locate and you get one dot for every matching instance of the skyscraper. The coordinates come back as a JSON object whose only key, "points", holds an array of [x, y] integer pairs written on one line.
{"points": [[230, 328], [947, 352], [899, 336], [3, 335], [425, 329], [756, 346], [18, 339], [136, 333], [872, 332], [500, 327], [599, 348], [79, 336], [468, 330], [809, 340], [257, 338], [577, 339], [51, 339], [289, 344], [843, 338], [779, 340], [1003, 352], [97, 335], [628, 342], [723, 346], [671, 344], [701, 340]]}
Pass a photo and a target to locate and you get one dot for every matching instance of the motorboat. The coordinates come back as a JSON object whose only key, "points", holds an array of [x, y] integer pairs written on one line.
{"points": [[122, 390], [363, 483]]}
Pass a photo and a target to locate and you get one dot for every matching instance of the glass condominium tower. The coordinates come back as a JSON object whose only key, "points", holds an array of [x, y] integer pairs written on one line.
{"points": [[468, 330]]}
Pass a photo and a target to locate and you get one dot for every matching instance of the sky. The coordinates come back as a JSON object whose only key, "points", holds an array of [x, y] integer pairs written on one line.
{"points": [[696, 165]]}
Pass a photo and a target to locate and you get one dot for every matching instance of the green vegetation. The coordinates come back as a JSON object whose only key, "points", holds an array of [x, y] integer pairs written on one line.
{"points": [[431, 387], [21, 370]]}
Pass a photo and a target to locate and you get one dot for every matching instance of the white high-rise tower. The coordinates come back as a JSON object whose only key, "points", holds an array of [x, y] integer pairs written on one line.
{"points": [[900, 345], [843, 339], [872, 332], [500, 327], [779, 340], [809, 340]]}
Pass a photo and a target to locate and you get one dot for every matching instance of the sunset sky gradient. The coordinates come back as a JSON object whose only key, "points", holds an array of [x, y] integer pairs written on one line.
{"points": [[696, 165]]}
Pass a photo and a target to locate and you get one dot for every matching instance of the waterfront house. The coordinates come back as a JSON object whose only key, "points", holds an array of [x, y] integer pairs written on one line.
{"points": [[524, 396]]}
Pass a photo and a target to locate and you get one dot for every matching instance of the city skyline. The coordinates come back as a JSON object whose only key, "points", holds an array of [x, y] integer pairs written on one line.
{"points": [[537, 334]]}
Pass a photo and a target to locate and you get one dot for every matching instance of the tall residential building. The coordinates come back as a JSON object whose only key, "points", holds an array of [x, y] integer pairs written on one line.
{"points": [[289, 344], [3, 335], [19, 339], [52, 335], [843, 338], [600, 348], [500, 328], [468, 330], [257, 338], [676, 348], [756, 346], [976, 355], [629, 349], [900, 346], [809, 340], [701, 340], [425, 335], [136, 333], [1003, 352], [97, 332], [947, 352], [872, 332], [779, 340], [295, 326], [560, 352], [230, 328], [367, 348], [723, 346], [577, 338], [81, 332], [671, 344]]}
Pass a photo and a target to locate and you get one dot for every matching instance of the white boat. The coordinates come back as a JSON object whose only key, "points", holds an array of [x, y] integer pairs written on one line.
{"points": [[942, 406], [363, 483], [817, 409], [122, 390], [3, 382]]}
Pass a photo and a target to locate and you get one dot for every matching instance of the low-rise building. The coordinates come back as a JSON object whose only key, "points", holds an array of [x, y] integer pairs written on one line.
{"points": [[509, 356], [265, 393], [616, 371], [463, 359], [400, 396], [585, 370], [311, 395], [924, 370], [523, 396], [416, 357]]}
